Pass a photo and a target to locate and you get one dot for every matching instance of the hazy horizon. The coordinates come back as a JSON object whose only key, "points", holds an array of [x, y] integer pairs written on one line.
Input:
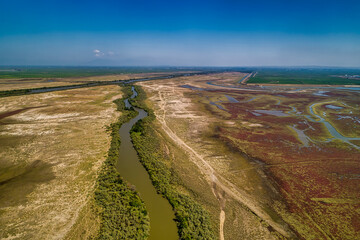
{"points": [[190, 33], [254, 67]]}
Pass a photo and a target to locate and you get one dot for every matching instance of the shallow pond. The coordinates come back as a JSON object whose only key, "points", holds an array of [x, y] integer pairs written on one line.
{"points": [[333, 107], [277, 113], [231, 99]]}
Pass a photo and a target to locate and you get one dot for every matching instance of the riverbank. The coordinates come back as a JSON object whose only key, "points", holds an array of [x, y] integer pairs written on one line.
{"points": [[193, 221], [124, 217], [162, 225], [123, 214]]}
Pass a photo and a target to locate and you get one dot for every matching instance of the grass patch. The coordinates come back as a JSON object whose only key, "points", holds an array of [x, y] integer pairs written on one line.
{"points": [[306, 76], [87, 223]]}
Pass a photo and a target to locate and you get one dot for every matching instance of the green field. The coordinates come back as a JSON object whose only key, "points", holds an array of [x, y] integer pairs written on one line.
{"points": [[328, 76]]}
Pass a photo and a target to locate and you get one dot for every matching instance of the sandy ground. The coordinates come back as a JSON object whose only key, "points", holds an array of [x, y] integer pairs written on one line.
{"points": [[50, 155]]}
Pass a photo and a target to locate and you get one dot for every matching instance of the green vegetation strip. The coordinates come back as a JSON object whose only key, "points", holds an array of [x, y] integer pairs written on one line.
{"points": [[123, 214], [193, 221], [306, 76]]}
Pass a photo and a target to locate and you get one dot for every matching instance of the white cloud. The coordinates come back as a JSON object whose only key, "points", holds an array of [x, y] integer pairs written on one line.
{"points": [[98, 53]]}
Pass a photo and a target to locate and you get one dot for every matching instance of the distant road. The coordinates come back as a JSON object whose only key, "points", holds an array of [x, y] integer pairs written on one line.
{"points": [[247, 77]]}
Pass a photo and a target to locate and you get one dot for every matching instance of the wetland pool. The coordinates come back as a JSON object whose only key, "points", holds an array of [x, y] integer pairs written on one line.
{"points": [[331, 129]]}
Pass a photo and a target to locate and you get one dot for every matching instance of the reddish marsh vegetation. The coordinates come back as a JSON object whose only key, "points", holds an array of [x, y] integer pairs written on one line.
{"points": [[308, 143]]}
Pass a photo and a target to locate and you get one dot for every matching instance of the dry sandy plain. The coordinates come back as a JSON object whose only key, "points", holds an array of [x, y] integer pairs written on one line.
{"points": [[52, 145]]}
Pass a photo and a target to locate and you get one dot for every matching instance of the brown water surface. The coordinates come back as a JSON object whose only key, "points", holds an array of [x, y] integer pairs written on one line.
{"points": [[162, 224]]}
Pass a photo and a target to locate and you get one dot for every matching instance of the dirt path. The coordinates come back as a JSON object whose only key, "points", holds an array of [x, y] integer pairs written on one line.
{"points": [[221, 198], [222, 221], [215, 180], [247, 77]]}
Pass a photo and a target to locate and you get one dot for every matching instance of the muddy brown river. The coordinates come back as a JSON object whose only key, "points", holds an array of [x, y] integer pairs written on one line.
{"points": [[162, 224]]}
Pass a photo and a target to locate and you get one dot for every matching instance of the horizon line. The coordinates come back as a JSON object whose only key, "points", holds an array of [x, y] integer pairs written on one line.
{"points": [[180, 66]]}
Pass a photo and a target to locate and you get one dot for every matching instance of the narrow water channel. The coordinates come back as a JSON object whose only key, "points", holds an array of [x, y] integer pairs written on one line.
{"points": [[162, 225], [332, 130]]}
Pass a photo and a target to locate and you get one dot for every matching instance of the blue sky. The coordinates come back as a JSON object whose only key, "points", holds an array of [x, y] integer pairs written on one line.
{"points": [[180, 33]]}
